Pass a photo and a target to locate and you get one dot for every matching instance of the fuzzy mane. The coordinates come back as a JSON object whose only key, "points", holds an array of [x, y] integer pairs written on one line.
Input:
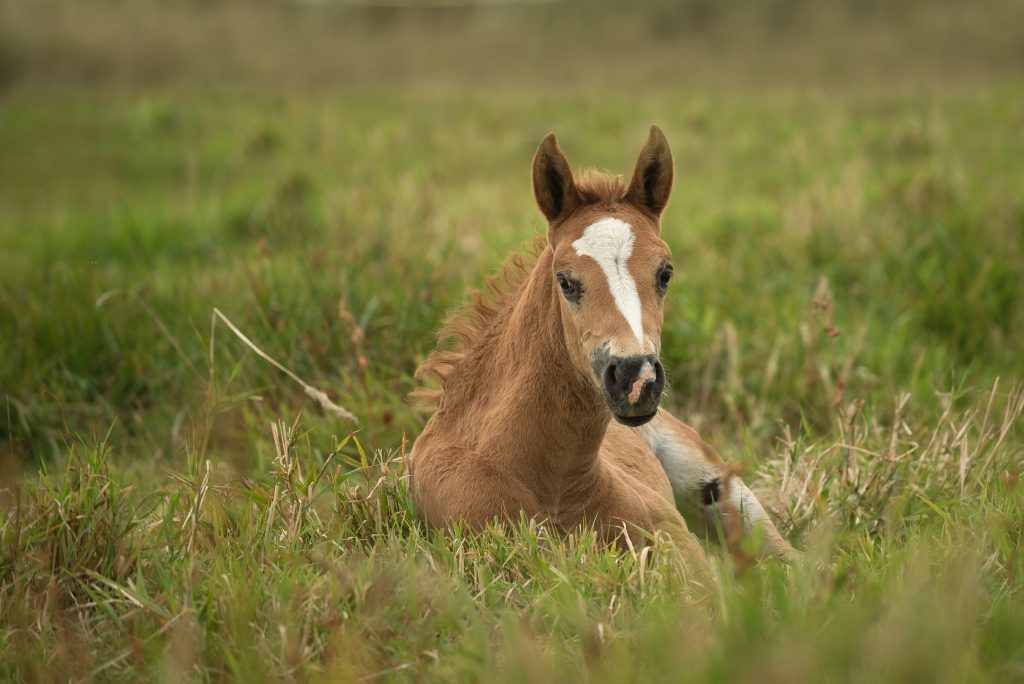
{"points": [[602, 189], [465, 325], [463, 328]]}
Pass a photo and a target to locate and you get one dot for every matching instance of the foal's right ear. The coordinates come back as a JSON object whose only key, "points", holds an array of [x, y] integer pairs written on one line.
{"points": [[553, 184]]}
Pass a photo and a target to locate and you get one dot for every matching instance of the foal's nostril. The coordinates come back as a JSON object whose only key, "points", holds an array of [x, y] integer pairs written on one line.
{"points": [[623, 376], [613, 377]]}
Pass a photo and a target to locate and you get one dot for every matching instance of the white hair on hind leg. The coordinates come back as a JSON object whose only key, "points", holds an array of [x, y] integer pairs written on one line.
{"points": [[746, 503], [704, 489], [687, 468]]}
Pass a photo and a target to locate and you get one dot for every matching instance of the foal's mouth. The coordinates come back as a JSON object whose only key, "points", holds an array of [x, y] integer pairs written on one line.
{"points": [[635, 421]]}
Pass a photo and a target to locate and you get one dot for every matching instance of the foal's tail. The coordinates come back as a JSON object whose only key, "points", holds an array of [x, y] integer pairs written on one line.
{"points": [[708, 493]]}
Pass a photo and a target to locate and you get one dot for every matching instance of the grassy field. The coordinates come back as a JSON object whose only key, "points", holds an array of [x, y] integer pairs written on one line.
{"points": [[846, 324]]}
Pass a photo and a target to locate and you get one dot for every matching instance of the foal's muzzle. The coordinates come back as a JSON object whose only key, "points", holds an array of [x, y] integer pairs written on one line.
{"points": [[632, 386]]}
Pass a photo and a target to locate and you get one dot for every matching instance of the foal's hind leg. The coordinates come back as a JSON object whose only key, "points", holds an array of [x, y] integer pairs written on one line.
{"points": [[705, 491]]}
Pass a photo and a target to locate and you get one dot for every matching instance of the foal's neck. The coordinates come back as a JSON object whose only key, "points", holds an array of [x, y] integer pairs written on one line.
{"points": [[530, 406]]}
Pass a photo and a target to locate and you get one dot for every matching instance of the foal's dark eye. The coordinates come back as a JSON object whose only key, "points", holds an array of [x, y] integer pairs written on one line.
{"points": [[665, 277], [570, 288]]}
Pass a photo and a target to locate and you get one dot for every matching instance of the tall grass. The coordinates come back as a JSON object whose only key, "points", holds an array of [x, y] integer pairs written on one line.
{"points": [[319, 567]]}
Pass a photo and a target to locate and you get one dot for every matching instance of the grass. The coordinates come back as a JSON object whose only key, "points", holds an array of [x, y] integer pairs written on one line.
{"points": [[319, 569], [846, 324]]}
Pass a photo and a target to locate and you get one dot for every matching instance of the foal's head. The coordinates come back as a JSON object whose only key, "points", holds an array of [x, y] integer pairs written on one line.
{"points": [[610, 271]]}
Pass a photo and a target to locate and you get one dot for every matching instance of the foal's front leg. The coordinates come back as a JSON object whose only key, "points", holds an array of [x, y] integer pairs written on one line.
{"points": [[704, 488], [628, 512]]}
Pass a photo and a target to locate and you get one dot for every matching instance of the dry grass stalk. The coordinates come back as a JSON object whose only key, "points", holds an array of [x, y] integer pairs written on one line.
{"points": [[317, 395], [870, 466]]}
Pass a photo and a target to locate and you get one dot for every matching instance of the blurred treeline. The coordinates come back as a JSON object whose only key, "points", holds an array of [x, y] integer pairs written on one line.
{"points": [[284, 44]]}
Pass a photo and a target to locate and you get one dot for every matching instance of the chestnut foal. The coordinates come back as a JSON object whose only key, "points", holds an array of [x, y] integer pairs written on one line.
{"points": [[549, 404]]}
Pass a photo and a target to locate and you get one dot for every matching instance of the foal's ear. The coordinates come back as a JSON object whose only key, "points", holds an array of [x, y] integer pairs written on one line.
{"points": [[553, 185], [652, 177]]}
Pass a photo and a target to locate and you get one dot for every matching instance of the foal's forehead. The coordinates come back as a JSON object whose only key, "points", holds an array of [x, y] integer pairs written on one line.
{"points": [[617, 232], [608, 238]]}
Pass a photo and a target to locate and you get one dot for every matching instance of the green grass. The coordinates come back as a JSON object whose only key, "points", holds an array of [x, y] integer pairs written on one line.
{"points": [[847, 324]]}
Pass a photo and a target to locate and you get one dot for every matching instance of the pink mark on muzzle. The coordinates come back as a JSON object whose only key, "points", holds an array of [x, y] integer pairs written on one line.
{"points": [[646, 375]]}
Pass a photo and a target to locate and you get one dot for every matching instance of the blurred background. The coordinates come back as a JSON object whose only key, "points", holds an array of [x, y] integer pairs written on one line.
{"points": [[847, 219], [279, 45]]}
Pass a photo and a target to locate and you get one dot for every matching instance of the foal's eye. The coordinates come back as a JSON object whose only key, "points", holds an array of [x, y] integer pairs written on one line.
{"points": [[665, 277], [570, 288]]}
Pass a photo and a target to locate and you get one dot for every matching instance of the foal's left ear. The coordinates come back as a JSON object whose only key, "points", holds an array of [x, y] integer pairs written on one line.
{"points": [[652, 177]]}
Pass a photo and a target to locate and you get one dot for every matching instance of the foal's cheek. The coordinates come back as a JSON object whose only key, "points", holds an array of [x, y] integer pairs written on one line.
{"points": [[573, 328]]}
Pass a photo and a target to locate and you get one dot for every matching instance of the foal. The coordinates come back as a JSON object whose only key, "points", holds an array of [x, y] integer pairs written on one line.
{"points": [[549, 405]]}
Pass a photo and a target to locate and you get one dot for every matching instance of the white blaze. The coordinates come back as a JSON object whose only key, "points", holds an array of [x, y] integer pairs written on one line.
{"points": [[609, 242]]}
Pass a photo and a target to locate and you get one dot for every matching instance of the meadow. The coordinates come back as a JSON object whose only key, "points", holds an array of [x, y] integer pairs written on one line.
{"points": [[846, 326]]}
